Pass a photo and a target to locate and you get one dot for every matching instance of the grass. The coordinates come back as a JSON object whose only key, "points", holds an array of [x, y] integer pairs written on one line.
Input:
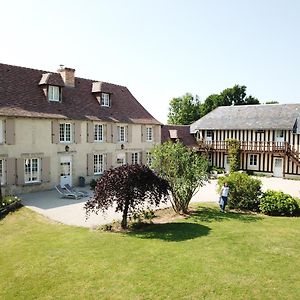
{"points": [[209, 255]]}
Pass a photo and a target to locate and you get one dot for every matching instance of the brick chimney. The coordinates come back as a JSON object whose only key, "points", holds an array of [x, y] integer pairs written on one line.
{"points": [[68, 75]]}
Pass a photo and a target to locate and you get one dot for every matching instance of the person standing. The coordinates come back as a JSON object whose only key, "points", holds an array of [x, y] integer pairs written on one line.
{"points": [[224, 196]]}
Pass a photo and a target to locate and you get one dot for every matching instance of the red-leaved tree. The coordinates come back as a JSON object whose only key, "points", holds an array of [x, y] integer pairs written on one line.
{"points": [[130, 187]]}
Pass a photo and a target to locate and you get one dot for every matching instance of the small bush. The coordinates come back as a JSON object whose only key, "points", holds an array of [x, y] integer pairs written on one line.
{"points": [[9, 199], [244, 191], [93, 184], [276, 203]]}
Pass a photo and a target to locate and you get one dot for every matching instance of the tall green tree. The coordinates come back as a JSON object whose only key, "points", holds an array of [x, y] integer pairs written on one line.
{"points": [[230, 96], [184, 110], [183, 168]]}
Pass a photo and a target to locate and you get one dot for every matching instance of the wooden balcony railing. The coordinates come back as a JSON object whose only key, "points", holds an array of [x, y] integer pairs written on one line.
{"points": [[246, 146], [281, 148]]}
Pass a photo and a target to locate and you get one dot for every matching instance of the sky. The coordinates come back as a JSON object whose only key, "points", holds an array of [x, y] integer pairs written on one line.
{"points": [[161, 49]]}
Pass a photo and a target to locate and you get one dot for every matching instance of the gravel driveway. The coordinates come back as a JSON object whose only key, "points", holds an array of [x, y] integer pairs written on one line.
{"points": [[71, 212]]}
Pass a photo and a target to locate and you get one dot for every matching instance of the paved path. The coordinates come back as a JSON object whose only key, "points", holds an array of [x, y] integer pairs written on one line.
{"points": [[71, 212]]}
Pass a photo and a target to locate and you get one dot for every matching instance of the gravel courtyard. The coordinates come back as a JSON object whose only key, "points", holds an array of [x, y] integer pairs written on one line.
{"points": [[71, 212]]}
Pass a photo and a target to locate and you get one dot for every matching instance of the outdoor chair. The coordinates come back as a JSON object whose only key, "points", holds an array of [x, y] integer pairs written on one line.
{"points": [[74, 191], [65, 193]]}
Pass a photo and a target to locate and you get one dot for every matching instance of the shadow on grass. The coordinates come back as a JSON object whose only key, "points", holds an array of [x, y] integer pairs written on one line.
{"points": [[209, 214], [172, 232]]}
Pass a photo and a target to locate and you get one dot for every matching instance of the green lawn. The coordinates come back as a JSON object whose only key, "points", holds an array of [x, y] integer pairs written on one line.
{"points": [[210, 255]]}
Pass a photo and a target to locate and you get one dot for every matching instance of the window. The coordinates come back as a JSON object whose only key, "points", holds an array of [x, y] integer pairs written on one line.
{"points": [[98, 133], [32, 170], [65, 133], [2, 171], [135, 158], [149, 135], [53, 93], [105, 99], [121, 133], [149, 158], [98, 163], [253, 160], [209, 134], [1, 132]]}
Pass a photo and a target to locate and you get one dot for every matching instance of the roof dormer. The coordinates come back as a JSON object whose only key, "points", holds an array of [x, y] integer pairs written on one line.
{"points": [[102, 94], [52, 85]]}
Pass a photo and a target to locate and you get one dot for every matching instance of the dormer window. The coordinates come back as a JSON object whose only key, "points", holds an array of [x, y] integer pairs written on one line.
{"points": [[105, 99], [53, 93]]}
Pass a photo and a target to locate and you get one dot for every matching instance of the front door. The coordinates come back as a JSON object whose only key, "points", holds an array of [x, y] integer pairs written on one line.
{"points": [[65, 170], [226, 163], [278, 169]]}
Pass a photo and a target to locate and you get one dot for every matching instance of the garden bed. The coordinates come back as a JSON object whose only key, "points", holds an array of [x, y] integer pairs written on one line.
{"points": [[9, 204]]}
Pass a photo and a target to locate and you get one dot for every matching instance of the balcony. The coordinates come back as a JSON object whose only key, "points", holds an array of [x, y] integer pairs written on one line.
{"points": [[246, 146]]}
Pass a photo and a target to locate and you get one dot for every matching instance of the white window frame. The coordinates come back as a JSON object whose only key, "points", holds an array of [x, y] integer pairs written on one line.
{"points": [[53, 93], [1, 132], [135, 158], [121, 134], [2, 171], [98, 132], [149, 134], [65, 133], [209, 134], [149, 158], [99, 164], [29, 171], [253, 160], [105, 99]]}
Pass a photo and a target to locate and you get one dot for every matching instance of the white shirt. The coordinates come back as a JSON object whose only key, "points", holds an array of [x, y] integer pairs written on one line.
{"points": [[225, 191]]}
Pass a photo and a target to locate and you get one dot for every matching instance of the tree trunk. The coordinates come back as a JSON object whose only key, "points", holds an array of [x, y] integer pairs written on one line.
{"points": [[124, 217]]}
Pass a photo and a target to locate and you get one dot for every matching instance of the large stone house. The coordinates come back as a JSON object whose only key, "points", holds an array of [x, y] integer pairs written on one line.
{"points": [[269, 137], [55, 128]]}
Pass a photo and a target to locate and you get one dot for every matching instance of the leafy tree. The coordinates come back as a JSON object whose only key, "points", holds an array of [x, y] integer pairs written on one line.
{"points": [[183, 168], [184, 110], [130, 187], [230, 96]]}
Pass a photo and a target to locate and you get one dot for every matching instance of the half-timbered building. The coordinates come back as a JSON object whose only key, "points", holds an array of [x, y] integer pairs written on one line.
{"points": [[269, 137]]}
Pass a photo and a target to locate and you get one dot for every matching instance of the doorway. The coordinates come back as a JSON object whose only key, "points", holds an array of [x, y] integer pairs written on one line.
{"points": [[65, 170]]}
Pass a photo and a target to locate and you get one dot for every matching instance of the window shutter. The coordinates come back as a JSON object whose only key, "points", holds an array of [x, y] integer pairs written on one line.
{"points": [[156, 137], [128, 158], [55, 132], [144, 158], [104, 132], [10, 131], [20, 171], [11, 171], [129, 133], [45, 169], [115, 133], [77, 135], [140, 158], [90, 132], [108, 137], [144, 133], [109, 161], [90, 164]]}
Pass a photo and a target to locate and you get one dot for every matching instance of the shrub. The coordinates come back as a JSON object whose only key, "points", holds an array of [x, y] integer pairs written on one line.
{"points": [[276, 203], [130, 187], [244, 191], [9, 199], [93, 184]]}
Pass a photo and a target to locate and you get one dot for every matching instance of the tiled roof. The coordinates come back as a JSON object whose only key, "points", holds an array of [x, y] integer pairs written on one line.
{"points": [[269, 116], [21, 95], [52, 79], [181, 132]]}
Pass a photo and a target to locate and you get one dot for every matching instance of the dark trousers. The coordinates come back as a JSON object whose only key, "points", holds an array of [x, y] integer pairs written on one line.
{"points": [[224, 203]]}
